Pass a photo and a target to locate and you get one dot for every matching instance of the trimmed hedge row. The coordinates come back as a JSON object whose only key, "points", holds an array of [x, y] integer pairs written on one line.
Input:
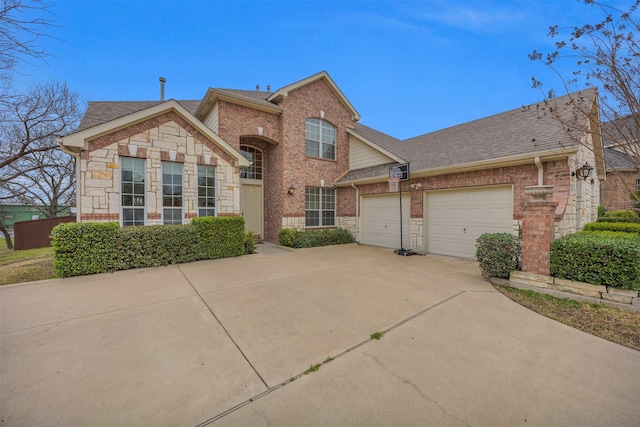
{"points": [[625, 227], [598, 257], [498, 254], [89, 248], [307, 239], [622, 219]]}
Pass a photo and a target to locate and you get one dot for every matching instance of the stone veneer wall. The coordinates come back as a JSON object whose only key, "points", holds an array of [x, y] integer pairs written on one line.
{"points": [[155, 140]]}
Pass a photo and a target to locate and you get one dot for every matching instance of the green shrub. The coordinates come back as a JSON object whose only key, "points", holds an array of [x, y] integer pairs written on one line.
{"points": [[220, 237], [598, 257], [601, 211], [625, 227], [635, 220], [157, 245], [621, 214], [89, 248], [249, 243], [84, 248], [498, 254], [287, 236], [312, 238]]}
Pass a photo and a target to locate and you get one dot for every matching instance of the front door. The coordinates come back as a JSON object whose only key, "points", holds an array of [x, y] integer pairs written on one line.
{"points": [[251, 205]]}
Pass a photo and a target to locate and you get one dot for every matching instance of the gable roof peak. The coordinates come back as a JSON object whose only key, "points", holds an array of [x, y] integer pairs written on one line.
{"points": [[322, 75]]}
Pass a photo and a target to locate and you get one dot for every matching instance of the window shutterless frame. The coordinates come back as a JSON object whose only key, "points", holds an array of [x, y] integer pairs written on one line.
{"points": [[320, 207], [133, 207], [320, 137], [172, 193], [206, 190]]}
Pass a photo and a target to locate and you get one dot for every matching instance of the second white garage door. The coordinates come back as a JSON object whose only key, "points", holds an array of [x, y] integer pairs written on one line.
{"points": [[381, 220], [455, 219]]}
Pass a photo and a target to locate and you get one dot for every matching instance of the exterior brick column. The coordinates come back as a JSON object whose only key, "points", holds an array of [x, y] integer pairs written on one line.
{"points": [[537, 233]]}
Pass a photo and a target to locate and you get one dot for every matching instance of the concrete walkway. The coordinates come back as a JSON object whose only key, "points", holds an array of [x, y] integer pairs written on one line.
{"points": [[219, 343]]}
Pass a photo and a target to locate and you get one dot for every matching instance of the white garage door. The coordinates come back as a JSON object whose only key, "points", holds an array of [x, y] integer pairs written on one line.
{"points": [[456, 218], [381, 220]]}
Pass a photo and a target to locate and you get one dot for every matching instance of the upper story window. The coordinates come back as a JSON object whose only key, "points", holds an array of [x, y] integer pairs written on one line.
{"points": [[132, 191], [321, 139], [253, 155], [637, 185]]}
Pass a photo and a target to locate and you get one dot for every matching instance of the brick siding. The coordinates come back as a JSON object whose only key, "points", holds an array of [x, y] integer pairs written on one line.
{"points": [[614, 192]]}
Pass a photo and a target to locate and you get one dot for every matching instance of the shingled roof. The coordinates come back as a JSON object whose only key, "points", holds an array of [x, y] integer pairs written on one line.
{"points": [[517, 132], [99, 112]]}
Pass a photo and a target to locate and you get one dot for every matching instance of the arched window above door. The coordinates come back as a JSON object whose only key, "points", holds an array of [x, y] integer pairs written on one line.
{"points": [[254, 155]]}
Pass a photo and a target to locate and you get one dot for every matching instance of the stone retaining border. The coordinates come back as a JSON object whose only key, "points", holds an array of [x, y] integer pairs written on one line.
{"points": [[597, 294]]}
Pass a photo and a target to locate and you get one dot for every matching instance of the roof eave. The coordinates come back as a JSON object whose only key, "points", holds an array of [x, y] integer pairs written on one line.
{"points": [[214, 95], [472, 166], [76, 142]]}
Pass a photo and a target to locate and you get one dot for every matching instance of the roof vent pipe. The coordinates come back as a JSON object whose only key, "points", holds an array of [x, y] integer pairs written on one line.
{"points": [[162, 82], [257, 88], [268, 88]]}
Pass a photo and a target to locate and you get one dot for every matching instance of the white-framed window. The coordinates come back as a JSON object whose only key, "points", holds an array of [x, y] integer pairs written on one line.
{"points": [[171, 193], [132, 191], [320, 139], [206, 190], [254, 155], [637, 185], [320, 207]]}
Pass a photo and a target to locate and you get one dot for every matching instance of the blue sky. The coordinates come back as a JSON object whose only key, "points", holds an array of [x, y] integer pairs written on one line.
{"points": [[408, 67]]}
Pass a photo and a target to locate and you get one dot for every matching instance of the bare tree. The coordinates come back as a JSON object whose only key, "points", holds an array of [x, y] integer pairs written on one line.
{"points": [[604, 55], [20, 31], [30, 123], [49, 186], [33, 170]]}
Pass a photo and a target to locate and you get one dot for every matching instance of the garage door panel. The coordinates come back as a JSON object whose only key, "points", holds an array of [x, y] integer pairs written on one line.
{"points": [[455, 219], [381, 220]]}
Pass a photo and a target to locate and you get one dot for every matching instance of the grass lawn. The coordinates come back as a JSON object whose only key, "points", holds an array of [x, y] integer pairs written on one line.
{"points": [[610, 323], [25, 266]]}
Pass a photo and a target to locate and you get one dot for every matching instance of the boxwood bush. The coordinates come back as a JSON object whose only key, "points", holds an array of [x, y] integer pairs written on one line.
{"points": [[623, 219], [220, 237], [625, 227], [89, 248], [498, 254], [85, 248], [598, 257], [311, 238]]}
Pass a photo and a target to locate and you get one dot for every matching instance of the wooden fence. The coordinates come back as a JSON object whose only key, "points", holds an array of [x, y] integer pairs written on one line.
{"points": [[36, 233]]}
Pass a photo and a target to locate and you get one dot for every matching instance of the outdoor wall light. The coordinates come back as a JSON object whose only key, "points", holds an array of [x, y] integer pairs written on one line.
{"points": [[583, 172], [291, 190]]}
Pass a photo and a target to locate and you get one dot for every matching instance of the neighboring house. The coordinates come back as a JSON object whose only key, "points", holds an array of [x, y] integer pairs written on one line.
{"points": [[298, 158], [623, 175]]}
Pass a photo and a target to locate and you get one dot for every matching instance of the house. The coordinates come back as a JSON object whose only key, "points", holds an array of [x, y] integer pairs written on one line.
{"points": [[623, 175], [298, 157]]}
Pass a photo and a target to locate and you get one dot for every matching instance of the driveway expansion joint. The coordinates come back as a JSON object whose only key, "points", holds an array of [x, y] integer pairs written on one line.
{"points": [[224, 329], [270, 390]]}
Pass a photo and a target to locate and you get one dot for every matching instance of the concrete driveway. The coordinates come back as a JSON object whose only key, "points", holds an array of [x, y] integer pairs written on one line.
{"points": [[219, 343]]}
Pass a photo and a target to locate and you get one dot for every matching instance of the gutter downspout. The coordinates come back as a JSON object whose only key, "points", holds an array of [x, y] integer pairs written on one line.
{"points": [[538, 163], [357, 212]]}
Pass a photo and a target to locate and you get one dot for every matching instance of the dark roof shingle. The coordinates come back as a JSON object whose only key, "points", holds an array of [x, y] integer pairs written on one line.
{"points": [[100, 112]]}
